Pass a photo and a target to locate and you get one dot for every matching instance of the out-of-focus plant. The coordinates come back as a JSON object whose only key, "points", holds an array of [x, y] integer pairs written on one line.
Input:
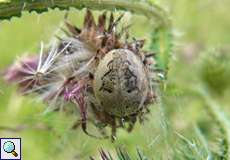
{"points": [[215, 70], [122, 154]]}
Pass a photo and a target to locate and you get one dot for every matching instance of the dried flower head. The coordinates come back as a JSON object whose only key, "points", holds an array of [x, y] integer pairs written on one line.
{"points": [[97, 69]]}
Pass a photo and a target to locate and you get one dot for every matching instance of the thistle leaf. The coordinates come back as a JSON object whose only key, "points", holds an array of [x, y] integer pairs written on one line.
{"points": [[122, 154]]}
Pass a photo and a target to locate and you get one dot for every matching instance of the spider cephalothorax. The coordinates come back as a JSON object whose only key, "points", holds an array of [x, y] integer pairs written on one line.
{"points": [[97, 69]]}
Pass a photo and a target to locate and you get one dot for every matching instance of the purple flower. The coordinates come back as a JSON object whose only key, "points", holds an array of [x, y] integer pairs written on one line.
{"points": [[76, 93], [20, 71]]}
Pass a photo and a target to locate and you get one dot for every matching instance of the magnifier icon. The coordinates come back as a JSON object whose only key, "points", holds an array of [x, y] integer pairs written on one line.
{"points": [[9, 147]]}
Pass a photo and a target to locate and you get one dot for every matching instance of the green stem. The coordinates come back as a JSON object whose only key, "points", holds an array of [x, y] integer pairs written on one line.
{"points": [[15, 7]]}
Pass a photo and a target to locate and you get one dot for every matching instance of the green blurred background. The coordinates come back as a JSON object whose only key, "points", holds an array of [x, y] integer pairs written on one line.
{"points": [[201, 57]]}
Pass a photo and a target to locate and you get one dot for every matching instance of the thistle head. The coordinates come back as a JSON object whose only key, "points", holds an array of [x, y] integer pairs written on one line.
{"points": [[95, 69]]}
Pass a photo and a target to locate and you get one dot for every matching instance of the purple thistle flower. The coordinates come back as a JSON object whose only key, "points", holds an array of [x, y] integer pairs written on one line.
{"points": [[19, 72], [75, 94], [21, 69]]}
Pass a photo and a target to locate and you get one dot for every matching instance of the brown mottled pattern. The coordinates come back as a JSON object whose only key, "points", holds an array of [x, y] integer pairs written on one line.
{"points": [[120, 82]]}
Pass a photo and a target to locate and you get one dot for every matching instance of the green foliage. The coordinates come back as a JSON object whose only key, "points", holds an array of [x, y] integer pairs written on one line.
{"points": [[122, 154], [15, 7], [214, 70]]}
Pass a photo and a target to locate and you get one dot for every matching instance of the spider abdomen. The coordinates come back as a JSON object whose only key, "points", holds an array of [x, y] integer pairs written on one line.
{"points": [[120, 83]]}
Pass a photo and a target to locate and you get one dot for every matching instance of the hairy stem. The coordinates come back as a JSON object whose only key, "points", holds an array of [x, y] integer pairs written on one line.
{"points": [[12, 8]]}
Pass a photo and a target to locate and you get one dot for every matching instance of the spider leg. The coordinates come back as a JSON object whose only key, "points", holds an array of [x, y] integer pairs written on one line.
{"points": [[114, 130], [131, 124], [142, 115], [83, 121], [83, 118], [76, 125], [100, 117], [103, 132], [121, 122]]}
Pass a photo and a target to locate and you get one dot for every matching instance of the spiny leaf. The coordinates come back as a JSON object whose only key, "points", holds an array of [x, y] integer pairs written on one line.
{"points": [[12, 8], [122, 154]]}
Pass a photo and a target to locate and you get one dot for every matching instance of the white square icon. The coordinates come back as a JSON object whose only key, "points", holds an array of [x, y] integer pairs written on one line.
{"points": [[10, 148]]}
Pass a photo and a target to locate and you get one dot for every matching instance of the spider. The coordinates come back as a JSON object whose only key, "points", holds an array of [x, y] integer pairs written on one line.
{"points": [[99, 70]]}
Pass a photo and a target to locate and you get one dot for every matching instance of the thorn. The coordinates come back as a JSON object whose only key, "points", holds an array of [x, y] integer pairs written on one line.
{"points": [[65, 32], [73, 29], [101, 22], [66, 15], [89, 20], [150, 55], [59, 38]]}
